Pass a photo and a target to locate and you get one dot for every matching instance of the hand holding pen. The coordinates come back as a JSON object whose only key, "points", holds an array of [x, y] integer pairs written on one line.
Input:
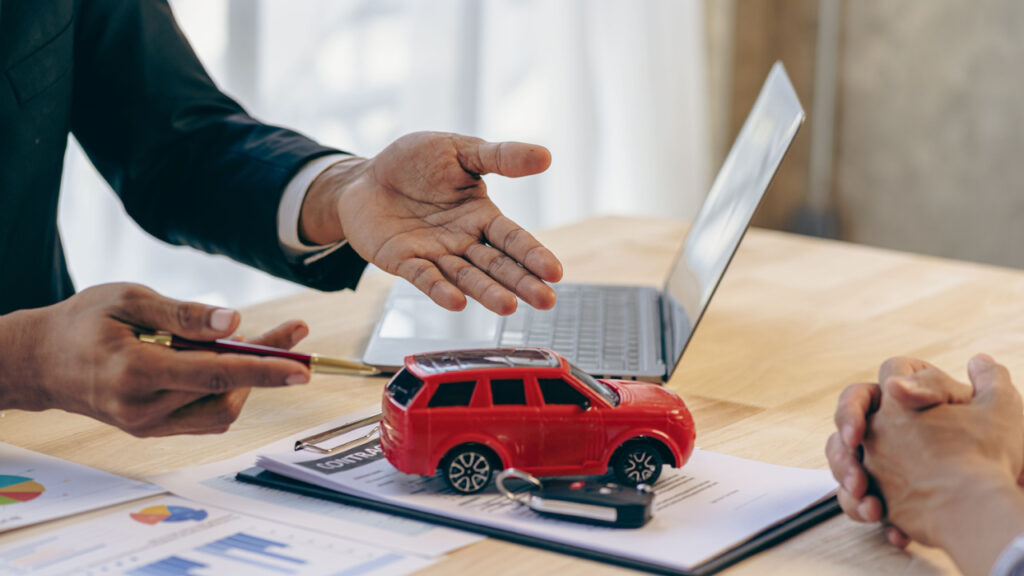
{"points": [[83, 355], [315, 362]]}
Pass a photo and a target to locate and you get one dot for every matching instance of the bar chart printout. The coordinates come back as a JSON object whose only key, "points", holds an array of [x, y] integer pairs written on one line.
{"points": [[243, 554], [205, 541]]}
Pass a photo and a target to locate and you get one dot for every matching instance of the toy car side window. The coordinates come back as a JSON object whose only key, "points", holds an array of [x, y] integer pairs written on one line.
{"points": [[558, 391], [452, 394], [404, 387], [508, 392]]}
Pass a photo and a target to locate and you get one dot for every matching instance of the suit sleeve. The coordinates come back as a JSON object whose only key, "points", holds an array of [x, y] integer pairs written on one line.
{"points": [[189, 164]]}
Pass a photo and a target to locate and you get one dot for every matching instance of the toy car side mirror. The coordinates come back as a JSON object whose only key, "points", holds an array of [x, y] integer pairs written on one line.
{"points": [[585, 404]]}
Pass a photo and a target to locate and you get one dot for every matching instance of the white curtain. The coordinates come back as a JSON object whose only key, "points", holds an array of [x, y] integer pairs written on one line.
{"points": [[616, 90]]}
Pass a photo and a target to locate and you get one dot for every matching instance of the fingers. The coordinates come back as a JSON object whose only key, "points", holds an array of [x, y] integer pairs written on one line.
{"points": [[855, 403], [284, 336], [424, 275], [142, 307], [212, 414], [846, 467], [477, 285], [867, 509], [853, 479], [512, 276], [843, 452], [510, 238], [991, 380], [157, 368], [927, 388], [901, 366], [512, 159], [918, 385], [490, 277], [896, 537]]}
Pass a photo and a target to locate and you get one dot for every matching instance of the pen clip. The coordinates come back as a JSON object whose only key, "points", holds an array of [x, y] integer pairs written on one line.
{"points": [[161, 338], [313, 442]]}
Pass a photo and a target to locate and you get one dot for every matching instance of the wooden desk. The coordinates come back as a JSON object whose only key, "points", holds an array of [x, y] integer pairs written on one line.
{"points": [[795, 320]]}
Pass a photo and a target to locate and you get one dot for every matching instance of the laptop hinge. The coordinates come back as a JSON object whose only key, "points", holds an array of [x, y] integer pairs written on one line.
{"points": [[666, 335]]}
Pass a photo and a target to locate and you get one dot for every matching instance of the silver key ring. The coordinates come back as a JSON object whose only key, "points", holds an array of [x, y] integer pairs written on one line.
{"points": [[507, 473]]}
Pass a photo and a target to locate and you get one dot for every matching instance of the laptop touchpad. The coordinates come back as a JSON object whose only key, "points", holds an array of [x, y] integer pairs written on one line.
{"points": [[421, 319], [413, 324]]}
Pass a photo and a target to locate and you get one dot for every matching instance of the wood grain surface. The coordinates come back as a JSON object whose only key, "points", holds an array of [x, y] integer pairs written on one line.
{"points": [[794, 321]]}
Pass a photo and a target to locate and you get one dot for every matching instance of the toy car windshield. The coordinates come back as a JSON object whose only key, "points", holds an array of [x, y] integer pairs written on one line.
{"points": [[603, 390]]}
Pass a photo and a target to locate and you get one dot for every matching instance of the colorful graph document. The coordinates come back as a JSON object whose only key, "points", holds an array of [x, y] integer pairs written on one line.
{"points": [[712, 505], [215, 484], [36, 488], [178, 537]]}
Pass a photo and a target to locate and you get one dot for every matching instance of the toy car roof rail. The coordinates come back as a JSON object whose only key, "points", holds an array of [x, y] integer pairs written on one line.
{"points": [[483, 358]]}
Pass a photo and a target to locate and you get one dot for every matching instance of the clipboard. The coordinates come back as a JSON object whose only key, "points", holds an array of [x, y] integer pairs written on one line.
{"points": [[762, 541]]}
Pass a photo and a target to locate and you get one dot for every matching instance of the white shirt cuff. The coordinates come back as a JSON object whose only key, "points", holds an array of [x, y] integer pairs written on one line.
{"points": [[1011, 561], [290, 209]]}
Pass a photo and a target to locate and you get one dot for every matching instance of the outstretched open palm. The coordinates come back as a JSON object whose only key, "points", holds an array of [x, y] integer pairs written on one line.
{"points": [[420, 210]]}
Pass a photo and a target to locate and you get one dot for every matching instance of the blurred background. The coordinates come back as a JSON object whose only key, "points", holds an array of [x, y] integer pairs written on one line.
{"points": [[914, 137]]}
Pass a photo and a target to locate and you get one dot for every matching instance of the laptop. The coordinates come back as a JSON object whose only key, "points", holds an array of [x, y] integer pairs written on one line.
{"points": [[624, 332]]}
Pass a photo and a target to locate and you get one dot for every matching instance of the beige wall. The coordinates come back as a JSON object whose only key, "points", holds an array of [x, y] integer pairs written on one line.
{"points": [[929, 147]]}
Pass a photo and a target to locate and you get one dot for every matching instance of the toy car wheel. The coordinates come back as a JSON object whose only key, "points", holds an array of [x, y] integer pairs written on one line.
{"points": [[468, 469], [638, 463]]}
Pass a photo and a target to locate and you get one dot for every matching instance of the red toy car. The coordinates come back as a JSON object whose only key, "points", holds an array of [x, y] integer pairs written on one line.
{"points": [[472, 412]]}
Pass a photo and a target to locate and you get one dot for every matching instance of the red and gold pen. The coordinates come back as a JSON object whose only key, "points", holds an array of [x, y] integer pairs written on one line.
{"points": [[316, 363]]}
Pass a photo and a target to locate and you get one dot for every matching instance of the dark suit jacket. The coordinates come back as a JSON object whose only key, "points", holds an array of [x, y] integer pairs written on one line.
{"points": [[190, 166]]}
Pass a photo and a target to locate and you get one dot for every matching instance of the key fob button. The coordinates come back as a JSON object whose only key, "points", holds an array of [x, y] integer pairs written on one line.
{"points": [[592, 502]]}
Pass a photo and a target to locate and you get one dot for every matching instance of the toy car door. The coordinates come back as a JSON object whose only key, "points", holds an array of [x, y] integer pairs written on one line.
{"points": [[509, 418], [448, 411], [570, 428]]}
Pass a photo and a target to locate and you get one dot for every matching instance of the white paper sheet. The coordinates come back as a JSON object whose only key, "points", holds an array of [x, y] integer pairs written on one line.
{"points": [[173, 536], [215, 484], [713, 504], [35, 488]]}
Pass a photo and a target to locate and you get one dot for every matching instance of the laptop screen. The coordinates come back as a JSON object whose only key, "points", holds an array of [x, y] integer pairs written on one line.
{"points": [[728, 208]]}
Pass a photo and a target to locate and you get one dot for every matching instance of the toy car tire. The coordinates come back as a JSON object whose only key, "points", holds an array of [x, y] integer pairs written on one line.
{"points": [[638, 462], [468, 469]]}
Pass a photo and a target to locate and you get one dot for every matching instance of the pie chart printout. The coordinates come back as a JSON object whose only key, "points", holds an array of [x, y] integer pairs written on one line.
{"points": [[15, 489], [157, 514]]}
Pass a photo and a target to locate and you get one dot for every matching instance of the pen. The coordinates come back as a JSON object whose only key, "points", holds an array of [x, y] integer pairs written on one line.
{"points": [[316, 363]]}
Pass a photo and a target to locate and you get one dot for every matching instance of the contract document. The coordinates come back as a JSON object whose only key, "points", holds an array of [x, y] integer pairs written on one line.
{"points": [[712, 505]]}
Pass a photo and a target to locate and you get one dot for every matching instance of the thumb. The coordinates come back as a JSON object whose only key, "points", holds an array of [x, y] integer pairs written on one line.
{"points": [[991, 380], [506, 158], [927, 388], [145, 308]]}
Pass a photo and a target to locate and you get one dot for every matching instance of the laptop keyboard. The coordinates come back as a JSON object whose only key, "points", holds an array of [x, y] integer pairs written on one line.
{"points": [[592, 326]]}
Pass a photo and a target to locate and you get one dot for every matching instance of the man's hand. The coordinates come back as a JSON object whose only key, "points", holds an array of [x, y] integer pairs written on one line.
{"points": [[948, 472], [82, 355], [420, 210], [925, 386]]}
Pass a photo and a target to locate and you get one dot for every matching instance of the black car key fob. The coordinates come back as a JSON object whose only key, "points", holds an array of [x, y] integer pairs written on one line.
{"points": [[586, 501]]}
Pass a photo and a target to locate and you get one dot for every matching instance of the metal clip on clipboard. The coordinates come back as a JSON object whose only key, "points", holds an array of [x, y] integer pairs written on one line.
{"points": [[313, 443]]}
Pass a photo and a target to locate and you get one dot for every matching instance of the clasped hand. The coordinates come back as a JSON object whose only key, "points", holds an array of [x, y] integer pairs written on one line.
{"points": [[937, 460]]}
